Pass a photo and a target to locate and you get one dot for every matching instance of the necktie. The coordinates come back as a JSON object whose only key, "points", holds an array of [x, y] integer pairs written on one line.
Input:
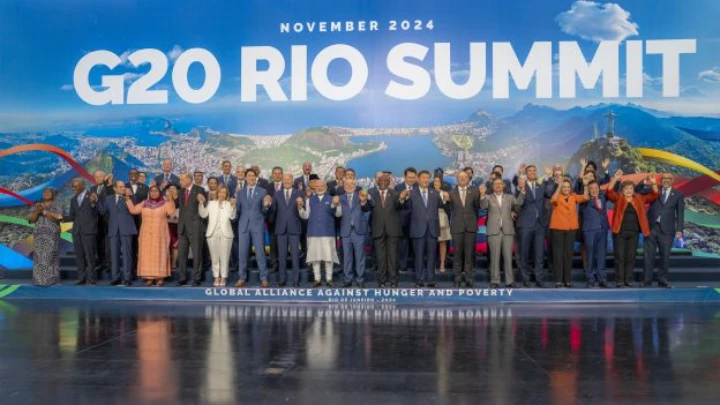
{"points": [[424, 196], [277, 186], [596, 202], [250, 193], [287, 195], [462, 196], [382, 195], [226, 180], [165, 178], [117, 200], [350, 200], [80, 198], [187, 194], [532, 189], [666, 194]]}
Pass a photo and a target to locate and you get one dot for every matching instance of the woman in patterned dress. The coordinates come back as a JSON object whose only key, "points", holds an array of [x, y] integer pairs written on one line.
{"points": [[154, 239], [46, 255]]}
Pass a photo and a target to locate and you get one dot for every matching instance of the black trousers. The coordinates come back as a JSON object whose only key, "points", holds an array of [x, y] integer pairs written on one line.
{"points": [[386, 258], [658, 241], [85, 246], [625, 248], [464, 258], [562, 242], [191, 239]]}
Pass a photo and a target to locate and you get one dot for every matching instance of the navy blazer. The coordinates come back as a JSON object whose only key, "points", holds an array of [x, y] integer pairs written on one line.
{"points": [[353, 216], [533, 208], [120, 221], [424, 219], [286, 213], [172, 179], [670, 212], [592, 219], [231, 184], [251, 213], [84, 217], [301, 180]]}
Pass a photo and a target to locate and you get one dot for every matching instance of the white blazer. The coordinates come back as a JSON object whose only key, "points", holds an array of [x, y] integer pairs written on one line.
{"points": [[219, 218]]}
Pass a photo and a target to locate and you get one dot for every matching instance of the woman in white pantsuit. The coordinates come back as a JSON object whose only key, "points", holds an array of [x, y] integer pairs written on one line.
{"points": [[219, 232]]}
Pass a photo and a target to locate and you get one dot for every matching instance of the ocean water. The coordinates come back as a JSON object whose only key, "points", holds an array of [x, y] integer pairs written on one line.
{"points": [[403, 151]]}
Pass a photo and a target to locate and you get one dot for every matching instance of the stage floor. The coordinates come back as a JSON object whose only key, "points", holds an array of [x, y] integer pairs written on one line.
{"points": [[219, 353], [407, 294]]}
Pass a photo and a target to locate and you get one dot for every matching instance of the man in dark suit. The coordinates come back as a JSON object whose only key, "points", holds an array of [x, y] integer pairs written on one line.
{"points": [[227, 178], [273, 186], [532, 223], [667, 218], [464, 205], [595, 227], [386, 230], [285, 208], [103, 187], [303, 181], [423, 204], [353, 228], [139, 194], [497, 173], [166, 177], [84, 216], [253, 203], [121, 229], [336, 184], [261, 181], [190, 230], [404, 245]]}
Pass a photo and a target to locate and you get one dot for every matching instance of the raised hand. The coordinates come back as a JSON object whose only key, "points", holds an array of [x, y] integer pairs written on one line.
{"points": [[363, 196], [308, 193], [583, 163], [482, 188], [109, 179], [605, 163], [300, 202], [548, 171], [521, 184], [522, 167], [267, 200], [233, 201], [618, 174], [39, 207], [201, 199], [404, 194], [653, 179], [445, 196], [93, 198], [336, 201]]}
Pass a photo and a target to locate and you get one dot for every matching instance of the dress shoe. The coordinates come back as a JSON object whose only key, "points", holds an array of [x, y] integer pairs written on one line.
{"points": [[469, 285], [665, 284], [181, 283], [347, 285], [629, 285], [590, 284], [456, 285], [115, 282], [558, 285], [645, 284], [361, 285], [394, 285], [127, 283], [80, 282], [568, 285], [265, 284], [381, 285], [329, 284], [431, 285], [318, 284], [494, 285], [197, 283], [619, 285], [511, 285], [603, 284], [296, 285], [240, 283], [527, 284], [280, 284], [540, 285], [419, 285], [92, 283]]}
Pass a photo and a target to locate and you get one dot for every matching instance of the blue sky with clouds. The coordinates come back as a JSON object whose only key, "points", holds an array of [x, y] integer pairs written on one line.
{"points": [[41, 41]]}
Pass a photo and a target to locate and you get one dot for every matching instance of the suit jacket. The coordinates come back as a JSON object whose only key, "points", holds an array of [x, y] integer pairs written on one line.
{"points": [[638, 203], [190, 212], [534, 209], [424, 219], [499, 218], [264, 183], [508, 186], [463, 218], [670, 212], [84, 216], [172, 179], [219, 220], [301, 180], [251, 212], [404, 213], [104, 192], [141, 194], [593, 219], [385, 219], [286, 213], [352, 214], [335, 188], [120, 220], [231, 184]]}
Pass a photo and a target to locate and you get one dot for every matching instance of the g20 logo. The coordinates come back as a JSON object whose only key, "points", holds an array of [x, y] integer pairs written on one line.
{"points": [[139, 91]]}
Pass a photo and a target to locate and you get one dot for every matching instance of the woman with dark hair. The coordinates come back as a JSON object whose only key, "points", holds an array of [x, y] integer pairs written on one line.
{"points": [[171, 191], [445, 234], [154, 239], [46, 254], [629, 219], [563, 226]]}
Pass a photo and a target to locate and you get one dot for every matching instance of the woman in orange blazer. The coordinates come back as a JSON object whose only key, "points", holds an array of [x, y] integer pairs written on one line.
{"points": [[563, 226], [629, 219]]}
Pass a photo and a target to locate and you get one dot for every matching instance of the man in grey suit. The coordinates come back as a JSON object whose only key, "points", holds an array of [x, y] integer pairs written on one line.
{"points": [[464, 204], [386, 230], [501, 227], [667, 217], [190, 229], [121, 229]]}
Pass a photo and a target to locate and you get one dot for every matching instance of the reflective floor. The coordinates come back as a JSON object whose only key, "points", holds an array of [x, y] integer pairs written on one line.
{"points": [[145, 353]]}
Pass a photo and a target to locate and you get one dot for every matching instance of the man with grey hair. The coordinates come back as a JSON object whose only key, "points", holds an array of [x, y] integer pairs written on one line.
{"points": [[167, 177], [190, 229], [103, 187], [84, 216]]}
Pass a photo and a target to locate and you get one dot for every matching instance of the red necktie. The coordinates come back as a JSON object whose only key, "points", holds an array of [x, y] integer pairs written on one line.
{"points": [[187, 194], [382, 194]]}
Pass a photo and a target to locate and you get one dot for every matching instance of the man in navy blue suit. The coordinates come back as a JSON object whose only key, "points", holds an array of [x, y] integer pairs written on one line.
{"points": [[253, 203], [84, 216], [353, 229], [167, 177], [423, 204], [595, 227], [288, 228], [228, 179], [409, 184], [532, 225], [667, 217], [121, 229]]}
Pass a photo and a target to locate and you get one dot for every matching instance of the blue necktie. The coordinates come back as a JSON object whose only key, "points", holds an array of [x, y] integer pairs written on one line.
{"points": [[424, 196]]}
